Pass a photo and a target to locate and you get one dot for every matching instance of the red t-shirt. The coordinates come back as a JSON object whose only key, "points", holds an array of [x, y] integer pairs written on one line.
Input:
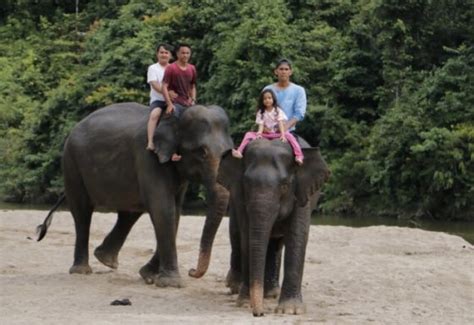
{"points": [[181, 82]]}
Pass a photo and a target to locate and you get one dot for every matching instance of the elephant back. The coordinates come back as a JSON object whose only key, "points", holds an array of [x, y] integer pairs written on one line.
{"points": [[211, 113], [121, 118]]}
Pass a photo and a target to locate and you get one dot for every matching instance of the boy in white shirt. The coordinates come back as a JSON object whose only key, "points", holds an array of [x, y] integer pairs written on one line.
{"points": [[155, 75]]}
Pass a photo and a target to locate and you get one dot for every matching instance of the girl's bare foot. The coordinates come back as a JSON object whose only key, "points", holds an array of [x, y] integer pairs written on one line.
{"points": [[237, 154], [150, 146], [175, 157]]}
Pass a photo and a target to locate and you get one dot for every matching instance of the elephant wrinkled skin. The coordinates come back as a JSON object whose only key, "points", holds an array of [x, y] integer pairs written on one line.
{"points": [[270, 207], [106, 166]]}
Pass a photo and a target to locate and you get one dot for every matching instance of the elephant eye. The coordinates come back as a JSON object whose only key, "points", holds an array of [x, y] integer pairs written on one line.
{"points": [[285, 186], [202, 151]]}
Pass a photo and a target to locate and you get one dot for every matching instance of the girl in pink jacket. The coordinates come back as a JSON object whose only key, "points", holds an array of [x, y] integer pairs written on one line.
{"points": [[270, 120]]}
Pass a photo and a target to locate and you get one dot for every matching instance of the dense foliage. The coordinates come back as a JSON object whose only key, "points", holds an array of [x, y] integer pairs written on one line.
{"points": [[390, 86]]}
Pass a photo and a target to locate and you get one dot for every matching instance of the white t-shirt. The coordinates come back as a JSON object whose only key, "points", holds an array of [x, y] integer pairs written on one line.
{"points": [[155, 73]]}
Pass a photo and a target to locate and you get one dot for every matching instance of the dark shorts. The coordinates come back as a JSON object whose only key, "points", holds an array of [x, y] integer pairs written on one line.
{"points": [[158, 104]]}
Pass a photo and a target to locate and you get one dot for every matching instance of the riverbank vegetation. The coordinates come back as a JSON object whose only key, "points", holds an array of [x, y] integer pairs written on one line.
{"points": [[390, 86]]}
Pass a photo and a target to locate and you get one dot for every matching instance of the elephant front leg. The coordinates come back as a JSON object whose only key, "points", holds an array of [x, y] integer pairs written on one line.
{"points": [[164, 223], [272, 268], [243, 249], [234, 276], [107, 252], [291, 300]]}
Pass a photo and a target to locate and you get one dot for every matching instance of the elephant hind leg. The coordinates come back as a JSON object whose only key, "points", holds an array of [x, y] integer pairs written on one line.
{"points": [[81, 210], [107, 252]]}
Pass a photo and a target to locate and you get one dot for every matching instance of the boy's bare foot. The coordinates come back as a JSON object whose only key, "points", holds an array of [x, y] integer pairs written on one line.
{"points": [[150, 147], [237, 154], [299, 160], [175, 157]]}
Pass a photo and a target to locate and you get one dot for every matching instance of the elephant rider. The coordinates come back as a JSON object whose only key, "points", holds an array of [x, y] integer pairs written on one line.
{"points": [[180, 77], [290, 96], [155, 75], [270, 119]]}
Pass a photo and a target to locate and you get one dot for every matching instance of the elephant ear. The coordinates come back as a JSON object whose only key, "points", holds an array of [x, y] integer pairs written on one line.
{"points": [[230, 171], [166, 138], [311, 176]]}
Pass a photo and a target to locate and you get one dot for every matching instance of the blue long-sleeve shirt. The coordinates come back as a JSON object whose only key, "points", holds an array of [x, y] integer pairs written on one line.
{"points": [[292, 100]]}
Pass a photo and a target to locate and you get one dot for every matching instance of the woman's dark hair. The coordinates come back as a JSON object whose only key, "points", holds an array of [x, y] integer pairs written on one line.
{"points": [[261, 106], [166, 46]]}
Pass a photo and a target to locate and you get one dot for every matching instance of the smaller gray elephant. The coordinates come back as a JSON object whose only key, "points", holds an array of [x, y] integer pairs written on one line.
{"points": [[271, 203]]}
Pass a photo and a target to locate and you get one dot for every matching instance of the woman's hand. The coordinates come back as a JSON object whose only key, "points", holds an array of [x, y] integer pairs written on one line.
{"points": [[283, 138]]}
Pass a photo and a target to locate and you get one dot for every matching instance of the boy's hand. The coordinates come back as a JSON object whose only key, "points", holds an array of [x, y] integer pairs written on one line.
{"points": [[172, 94], [169, 109]]}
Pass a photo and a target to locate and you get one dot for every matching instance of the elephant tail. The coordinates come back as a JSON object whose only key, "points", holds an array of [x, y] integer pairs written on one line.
{"points": [[43, 228]]}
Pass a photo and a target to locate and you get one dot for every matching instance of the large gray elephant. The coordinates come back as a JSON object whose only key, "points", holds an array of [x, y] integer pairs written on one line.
{"points": [[271, 203], [106, 166]]}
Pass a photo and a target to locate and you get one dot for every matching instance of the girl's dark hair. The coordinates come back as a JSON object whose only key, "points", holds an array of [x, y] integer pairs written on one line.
{"points": [[261, 106]]}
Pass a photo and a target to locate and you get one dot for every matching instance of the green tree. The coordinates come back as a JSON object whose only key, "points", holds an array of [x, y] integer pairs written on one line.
{"points": [[421, 151]]}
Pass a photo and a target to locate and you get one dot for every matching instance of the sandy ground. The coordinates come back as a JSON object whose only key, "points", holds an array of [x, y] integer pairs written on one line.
{"points": [[374, 275]]}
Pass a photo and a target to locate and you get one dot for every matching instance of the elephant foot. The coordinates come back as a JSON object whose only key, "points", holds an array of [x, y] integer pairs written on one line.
{"points": [[243, 302], [258, 312], [232, 281], [244, 297], [291, 306], [80, 269], [272, 293], [174, 281], [110, 260], [148, 274]]}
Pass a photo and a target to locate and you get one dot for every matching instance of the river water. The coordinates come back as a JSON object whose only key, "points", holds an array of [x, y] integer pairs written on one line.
{"points": [[465, 229]]}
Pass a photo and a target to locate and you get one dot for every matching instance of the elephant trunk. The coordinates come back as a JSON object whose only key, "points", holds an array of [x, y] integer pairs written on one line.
{"points": [[217, 200], [261, 219]]}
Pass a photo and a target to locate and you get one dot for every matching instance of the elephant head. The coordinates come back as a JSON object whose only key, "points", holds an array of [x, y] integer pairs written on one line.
{"points": [[268, 189], [268, 172], [201, 136]]}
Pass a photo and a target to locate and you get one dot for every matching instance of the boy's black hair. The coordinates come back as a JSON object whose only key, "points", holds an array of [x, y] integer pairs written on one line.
{"points": [[180, 45], [283, 61]]}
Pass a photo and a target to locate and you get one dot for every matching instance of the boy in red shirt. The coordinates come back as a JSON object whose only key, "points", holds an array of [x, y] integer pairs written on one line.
{"points": [[180, 77]]}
